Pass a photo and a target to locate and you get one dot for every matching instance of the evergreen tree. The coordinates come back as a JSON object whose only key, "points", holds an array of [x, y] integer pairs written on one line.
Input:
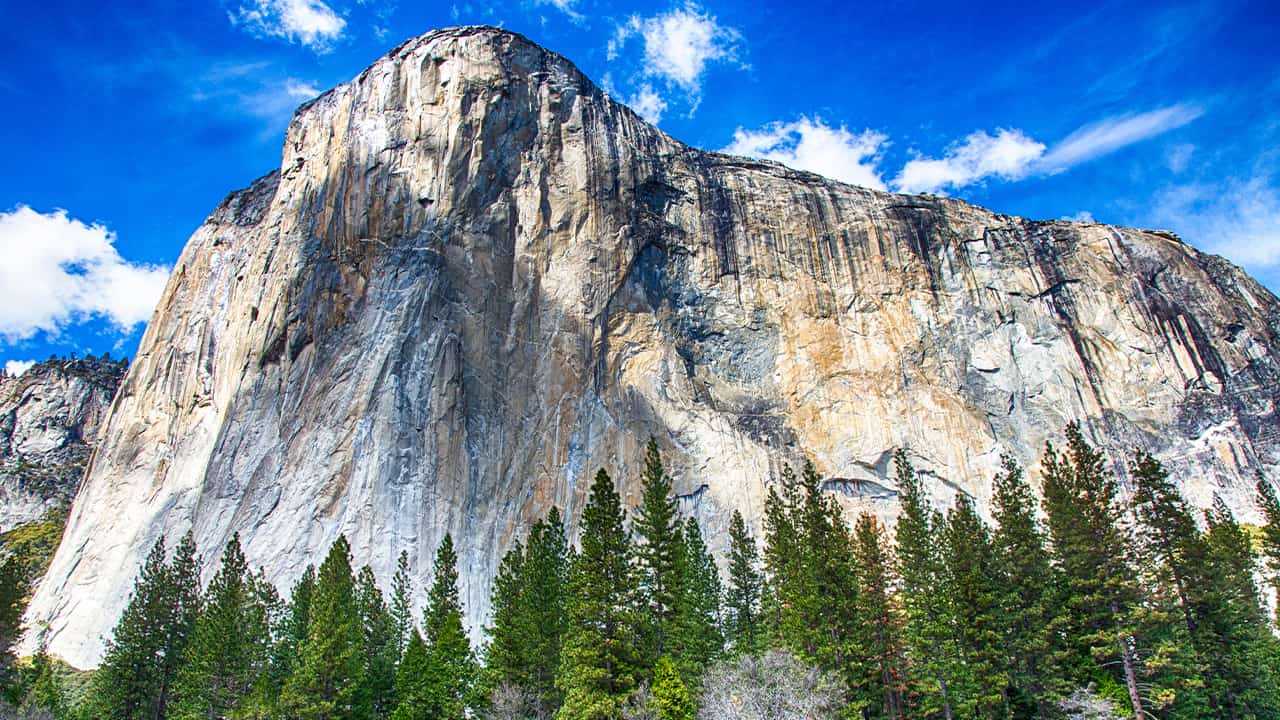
{"points": [[529, 616], [927, 622], [328, 676], [13, 593], [1027, 594], [380, 654], [1246, 652], [1270, 507], [229, 648], [415, 699], [698, 638], [1090, 549], [878, 675], [742, 600], [980, 681], [401, 604], [784, 569], [659, 551], [293, 627], [670, 693], [599, 663], [46, 693], [546, 576], [136, 676], [450, 664]]}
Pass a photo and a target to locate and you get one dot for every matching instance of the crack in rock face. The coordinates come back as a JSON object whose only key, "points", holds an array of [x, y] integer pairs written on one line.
{"points": [[476, 278]]}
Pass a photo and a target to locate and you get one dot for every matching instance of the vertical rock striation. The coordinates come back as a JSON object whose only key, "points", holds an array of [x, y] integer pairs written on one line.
{"points": [[475, 278]]}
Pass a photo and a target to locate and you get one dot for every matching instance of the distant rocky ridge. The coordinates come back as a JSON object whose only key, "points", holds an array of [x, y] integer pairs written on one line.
{"points": [[49, 418], [475, 278]]}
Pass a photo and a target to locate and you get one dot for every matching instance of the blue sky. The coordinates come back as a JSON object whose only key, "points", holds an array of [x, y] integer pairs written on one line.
{"points": [[126, 123]]}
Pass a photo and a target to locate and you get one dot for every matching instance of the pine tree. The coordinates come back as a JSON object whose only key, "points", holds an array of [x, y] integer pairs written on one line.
{"points": [[1026, 591], [599, 662], [46, 693], [136, 675], [742, 600], [1270, 507], [1090, 549], [528, 615], [659, 551], [183, 591], [414, 697], [401, 604], [878, 674], [969, 577], [698, 638], [380, 654], [329, 673], [783, 564], [228, 651], [927, 623], [546, 577], [1246, 652], [293, 630], [13, 593], [670, 693], [451, 668]]}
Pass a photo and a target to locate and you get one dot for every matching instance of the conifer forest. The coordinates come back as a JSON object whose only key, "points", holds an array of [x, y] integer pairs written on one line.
{"points": [[1092, 596]]}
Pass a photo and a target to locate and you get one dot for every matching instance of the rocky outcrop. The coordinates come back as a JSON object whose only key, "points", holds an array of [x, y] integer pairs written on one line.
{"points": [[49, 418], [476, 278]]}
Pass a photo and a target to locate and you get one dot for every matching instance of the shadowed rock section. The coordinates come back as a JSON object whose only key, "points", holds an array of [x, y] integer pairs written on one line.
{"points": [[475, 278]]}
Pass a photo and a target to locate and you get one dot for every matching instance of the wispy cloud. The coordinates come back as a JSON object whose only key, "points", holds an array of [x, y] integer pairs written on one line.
{"points": [[1007, 154], [1107, 136], [1012, 155], [679, 45], [811, 144], [568, 7], [308, 22], [58, 270], [648, 103], [1238, 218]]}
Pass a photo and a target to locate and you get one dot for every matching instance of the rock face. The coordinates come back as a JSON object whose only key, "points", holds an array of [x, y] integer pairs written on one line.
{"points": [[475, 279], [49, 419]]}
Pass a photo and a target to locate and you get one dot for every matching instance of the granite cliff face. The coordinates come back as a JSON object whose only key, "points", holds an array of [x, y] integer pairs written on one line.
{"points": [[49, 419], [475, 279]]}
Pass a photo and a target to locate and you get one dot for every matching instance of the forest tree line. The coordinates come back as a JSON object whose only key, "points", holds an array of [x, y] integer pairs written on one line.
{"points": [[1088, 600]]}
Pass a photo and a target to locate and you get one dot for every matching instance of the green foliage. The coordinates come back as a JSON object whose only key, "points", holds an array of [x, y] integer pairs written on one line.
{"points": [[931, 651], [878, 674], [450, 665], [380, 654], [599, 663], [697, 638], [529, 615], [13, 601], [414, 694], [148, 644], [742, 598], [670, 693], [401, 604], [328, 675], [31, 546], [1028, 595], [230, 646], [660, 553], [979, 681], [1270, 506]]}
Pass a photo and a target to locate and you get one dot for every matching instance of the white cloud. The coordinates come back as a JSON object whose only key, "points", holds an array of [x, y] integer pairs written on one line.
{"points": [[565, 6], [678, 47], [1008, 154], [1107, 136], [56, 270], [1012, 155], [1239, 219], [811, 144], [648, 104], [300, 90], [14, 368], [1179, 156], [1084, 216], [308, 22]]}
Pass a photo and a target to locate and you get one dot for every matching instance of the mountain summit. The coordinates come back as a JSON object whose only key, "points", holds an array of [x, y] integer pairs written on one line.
{"points": [[475, 279]]}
